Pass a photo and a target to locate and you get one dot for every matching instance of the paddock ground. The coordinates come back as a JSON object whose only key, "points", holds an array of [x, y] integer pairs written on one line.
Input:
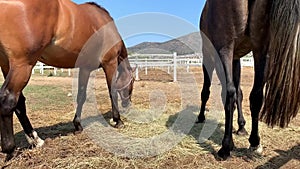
{"points": [[51, 111]]}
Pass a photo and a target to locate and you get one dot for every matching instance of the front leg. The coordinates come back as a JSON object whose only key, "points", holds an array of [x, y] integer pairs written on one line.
{"points": [[205, 92], [16, 79], [115, 110], [83, 78], [110, 69], [239, 95], [31, 135]]}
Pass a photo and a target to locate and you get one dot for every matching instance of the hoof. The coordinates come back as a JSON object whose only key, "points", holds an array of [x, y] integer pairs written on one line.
{"points": [[12, 155], [257, 150], [78, 127], [201, 120], [223, 153], [76, 132], [35, 140], [119, 125], [242, 132]]}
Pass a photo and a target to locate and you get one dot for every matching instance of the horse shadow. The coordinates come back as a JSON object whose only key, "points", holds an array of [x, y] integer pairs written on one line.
{"points": [[283, 158], [208, 144], [60, 129], [196, 129]]}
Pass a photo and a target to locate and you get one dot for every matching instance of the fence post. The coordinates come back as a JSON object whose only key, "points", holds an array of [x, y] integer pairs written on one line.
{"points": [[137, 72], [175, 67], [42, 68], [146, 67], [188, 65]]}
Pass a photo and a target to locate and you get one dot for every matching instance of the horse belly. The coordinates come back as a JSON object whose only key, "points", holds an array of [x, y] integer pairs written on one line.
{"points": [[58, 56], [242, 47]]}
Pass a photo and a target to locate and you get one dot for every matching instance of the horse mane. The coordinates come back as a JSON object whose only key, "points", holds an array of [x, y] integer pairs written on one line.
{"points": [[98, 6]]}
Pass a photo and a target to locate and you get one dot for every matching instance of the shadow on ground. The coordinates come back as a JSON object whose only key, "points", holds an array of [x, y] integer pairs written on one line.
{"points": [[57, 130], [215, 138], [283, 158]]}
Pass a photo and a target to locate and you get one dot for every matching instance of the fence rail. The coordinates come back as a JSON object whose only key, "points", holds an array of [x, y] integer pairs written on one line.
{"points": [[145, 61], [41, 67], [173, 61]]}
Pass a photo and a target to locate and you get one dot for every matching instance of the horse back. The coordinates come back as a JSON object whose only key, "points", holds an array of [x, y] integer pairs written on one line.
{"points": [[76, 24], [50, 31]]}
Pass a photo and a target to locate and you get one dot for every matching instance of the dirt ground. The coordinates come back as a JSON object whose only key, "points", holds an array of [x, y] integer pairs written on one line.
{"points": [[51, 110]]}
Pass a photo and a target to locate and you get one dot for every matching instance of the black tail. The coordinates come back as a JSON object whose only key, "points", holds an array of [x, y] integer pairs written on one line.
{"points": [[282, 100]]}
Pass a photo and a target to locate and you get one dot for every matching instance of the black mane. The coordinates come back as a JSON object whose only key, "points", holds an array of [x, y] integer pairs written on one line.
{"points": [[97, 5]]}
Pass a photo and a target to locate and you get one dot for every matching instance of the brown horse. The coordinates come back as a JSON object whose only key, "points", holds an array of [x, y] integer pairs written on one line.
{"points": [[271, 29], [55, 32]]}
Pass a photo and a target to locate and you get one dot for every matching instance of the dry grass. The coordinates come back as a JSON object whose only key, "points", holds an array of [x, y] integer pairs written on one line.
{"points": [[51, 112]]}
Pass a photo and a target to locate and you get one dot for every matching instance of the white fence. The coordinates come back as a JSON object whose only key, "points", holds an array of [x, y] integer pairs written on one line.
{"points": [[247, 62], [172, 62], [144, 61], [41, 67]]}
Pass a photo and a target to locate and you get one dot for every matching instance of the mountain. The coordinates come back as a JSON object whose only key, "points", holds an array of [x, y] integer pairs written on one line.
{"points": [[187, 44]]}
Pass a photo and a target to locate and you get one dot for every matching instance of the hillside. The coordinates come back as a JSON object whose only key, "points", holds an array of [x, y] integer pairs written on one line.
{"points": [[187, 44]]}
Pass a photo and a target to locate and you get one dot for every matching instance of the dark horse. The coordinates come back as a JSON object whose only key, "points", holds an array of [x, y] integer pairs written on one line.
{"points": [[55, 32], [271, 30]]}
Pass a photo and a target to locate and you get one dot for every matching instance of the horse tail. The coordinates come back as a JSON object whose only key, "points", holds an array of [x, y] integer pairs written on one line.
{"points": [[282, 100]]}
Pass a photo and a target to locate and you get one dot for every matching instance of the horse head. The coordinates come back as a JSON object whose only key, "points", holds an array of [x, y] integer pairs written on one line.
{"points": [[123, 83]]}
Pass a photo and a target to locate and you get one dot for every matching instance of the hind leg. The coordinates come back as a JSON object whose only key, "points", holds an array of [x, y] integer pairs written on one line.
{"points": [[239, 94], [205, 92], [256, 99], [207, 68]]}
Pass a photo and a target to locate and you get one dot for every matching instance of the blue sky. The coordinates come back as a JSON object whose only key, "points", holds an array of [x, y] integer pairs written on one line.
{"points": [[186, 10]]}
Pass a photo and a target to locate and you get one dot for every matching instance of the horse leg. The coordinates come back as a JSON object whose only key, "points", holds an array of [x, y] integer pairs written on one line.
{"points": [[83, 78], [110, 70], [239, 94], [256, 100], [226, 55], [31, 135], [205, 92], [20, 110], [16, 79], [207, 68]]}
